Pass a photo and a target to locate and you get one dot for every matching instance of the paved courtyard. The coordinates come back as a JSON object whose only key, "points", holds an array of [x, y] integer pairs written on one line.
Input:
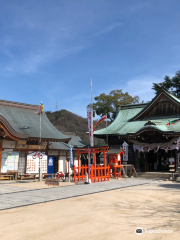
{"points": [[91, 212], [15, 195]]}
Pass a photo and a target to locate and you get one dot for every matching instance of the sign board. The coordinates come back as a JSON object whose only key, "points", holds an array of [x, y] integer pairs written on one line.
{"points": [[52, 181], [9, 161], [33, 160], [51, 164], [125, 149]]}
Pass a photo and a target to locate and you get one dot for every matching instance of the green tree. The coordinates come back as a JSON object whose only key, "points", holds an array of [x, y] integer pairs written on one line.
{"points": [[171, 84], [108, 104]]}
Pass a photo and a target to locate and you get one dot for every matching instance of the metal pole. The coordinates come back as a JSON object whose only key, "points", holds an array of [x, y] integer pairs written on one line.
{"points": [[92, 113], [39, 150], [69, 170], [88, 163]]}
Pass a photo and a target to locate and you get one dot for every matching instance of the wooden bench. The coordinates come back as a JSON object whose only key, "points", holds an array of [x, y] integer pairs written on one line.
{"points": [[14, 173], [44, 175], [6, 177], [27, 176]]}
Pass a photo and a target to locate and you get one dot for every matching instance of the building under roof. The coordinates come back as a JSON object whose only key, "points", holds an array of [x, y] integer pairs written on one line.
{"points": [[20, 122], [20, 136], [147, 128]]}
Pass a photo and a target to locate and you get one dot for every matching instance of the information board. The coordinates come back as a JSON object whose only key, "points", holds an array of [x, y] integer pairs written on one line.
{"points": [[33, 160], [9, 161]]}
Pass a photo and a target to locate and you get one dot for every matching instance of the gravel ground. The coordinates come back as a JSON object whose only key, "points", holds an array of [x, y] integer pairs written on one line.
{"points": [[109, 214]]}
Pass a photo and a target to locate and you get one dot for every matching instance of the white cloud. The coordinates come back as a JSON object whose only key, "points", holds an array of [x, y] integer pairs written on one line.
{"points": [[36, 37], [142, 86], [108, 28]]}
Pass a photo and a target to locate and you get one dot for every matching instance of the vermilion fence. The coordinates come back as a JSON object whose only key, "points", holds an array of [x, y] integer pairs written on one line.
{"points": [[99, 173], [80, 172]]}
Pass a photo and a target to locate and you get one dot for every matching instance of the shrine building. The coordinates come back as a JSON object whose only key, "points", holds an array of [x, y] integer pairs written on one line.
{"points": [[151, 131], [20, 137]]}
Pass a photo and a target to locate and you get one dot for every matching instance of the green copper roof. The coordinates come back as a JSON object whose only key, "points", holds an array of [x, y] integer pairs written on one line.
{"points": [[26, 122], [126, 122], [125, 114], [138, 126], [172, 96]]}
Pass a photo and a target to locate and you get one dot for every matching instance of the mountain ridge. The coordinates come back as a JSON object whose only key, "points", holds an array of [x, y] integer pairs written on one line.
{"points": [[67, 121]]}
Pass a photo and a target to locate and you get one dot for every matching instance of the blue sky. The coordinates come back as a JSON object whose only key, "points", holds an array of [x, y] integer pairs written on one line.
{"points": [[49, 50]]}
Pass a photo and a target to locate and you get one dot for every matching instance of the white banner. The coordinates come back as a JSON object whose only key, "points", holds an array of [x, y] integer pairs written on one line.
{"points": [[90, 124], [146, 149], [125, 149], [178, 144]]}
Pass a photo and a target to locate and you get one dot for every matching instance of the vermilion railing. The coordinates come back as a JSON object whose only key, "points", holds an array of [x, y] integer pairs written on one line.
{"points": [[99, 173], [80, 174]]}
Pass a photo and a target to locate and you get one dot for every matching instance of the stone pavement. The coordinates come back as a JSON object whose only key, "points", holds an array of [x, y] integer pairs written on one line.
{"points": [[13, 196]]}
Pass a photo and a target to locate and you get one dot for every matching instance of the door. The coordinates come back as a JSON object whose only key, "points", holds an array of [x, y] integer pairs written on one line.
{"points": [[22, 163]]}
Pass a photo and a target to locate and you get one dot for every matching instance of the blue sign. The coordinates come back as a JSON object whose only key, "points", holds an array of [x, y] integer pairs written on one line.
{"points": [[71, 157], [51, 164]]}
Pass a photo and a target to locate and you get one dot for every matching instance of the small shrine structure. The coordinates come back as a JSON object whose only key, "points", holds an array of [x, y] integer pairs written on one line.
{"points": [[115, 161], [95, 172]]}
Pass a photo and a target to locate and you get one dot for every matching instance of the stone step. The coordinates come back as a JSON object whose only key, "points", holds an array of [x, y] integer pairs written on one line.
{"points": [[162, 175]]}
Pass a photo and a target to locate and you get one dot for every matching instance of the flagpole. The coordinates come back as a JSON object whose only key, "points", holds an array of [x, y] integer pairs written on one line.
{"points": [[92, 113], [39, 149], [89, 155]]}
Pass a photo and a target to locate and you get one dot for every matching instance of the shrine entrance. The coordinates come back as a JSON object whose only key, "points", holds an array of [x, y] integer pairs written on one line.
{"points": [[96, 173], [160, 160]]}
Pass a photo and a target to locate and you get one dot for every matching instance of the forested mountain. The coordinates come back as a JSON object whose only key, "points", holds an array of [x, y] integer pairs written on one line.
{"points": [[67, 121]]}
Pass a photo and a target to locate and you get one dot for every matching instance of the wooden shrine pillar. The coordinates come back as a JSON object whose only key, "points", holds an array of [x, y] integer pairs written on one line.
{"points": [[146, 162], [176, 160], [104, 158], [78, 159], [136, 160]]}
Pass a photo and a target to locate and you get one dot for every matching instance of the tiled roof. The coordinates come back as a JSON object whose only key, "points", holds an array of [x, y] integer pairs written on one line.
{"points": [[125, 114], [75, 142], [126, 122], [23, 121]]}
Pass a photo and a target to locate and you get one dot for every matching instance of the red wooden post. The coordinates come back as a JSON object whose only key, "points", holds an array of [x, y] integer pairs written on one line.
{"points": [[74, 173], [105, 162], [98, 174], [92, 173], [104, 173], [95, 165], [90, 177], [82, 170], [78, 165], [108, 172]]}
